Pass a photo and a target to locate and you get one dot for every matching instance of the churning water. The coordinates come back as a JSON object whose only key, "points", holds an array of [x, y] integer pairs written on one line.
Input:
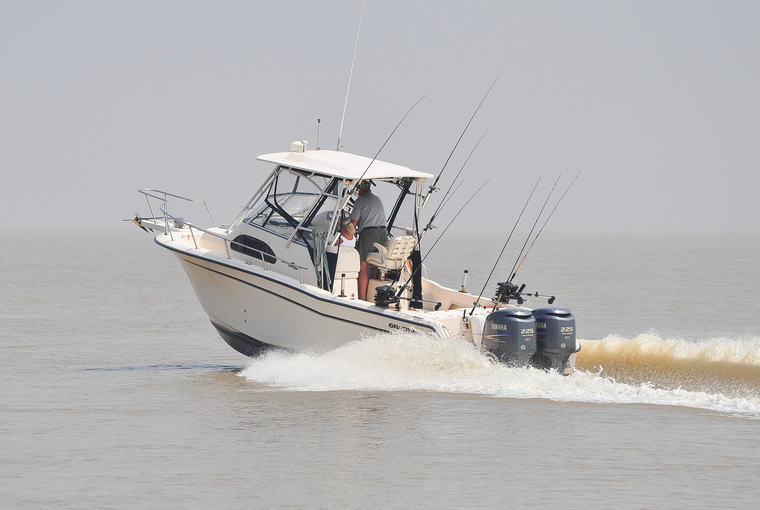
{"points": [[117, 392], [716, 375]]}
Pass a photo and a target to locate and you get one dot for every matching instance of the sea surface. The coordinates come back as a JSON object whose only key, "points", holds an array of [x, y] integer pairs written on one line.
{"points": [[116, 391]]}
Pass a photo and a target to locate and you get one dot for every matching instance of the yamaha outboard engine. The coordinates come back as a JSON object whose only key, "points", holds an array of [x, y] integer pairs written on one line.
{"points": [[555, 338], [510, 335]]}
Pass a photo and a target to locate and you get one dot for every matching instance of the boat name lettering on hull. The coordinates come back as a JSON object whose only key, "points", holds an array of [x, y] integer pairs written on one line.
{"points": [[405, 329]]}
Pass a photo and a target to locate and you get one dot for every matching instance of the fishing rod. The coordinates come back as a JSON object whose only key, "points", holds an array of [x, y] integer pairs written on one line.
{"points": [[455, 217], [356, 183], [421, 236], [460, 170], [432, 187], [542, 227], [504, 247], [403, 287], [443, 200], [452, 193], [350, 75], [534, 224]]}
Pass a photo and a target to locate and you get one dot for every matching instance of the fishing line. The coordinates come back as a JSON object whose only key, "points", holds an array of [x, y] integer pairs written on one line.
{"points": [[504, 247], [455, 217], [542, 226]]}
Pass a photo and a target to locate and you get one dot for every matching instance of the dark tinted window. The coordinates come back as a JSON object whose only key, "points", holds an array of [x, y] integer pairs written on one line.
{"points": [[253, 247]]}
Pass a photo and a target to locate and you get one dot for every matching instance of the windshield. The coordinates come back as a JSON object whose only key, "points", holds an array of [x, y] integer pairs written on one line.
{"points": [[296, 199]]}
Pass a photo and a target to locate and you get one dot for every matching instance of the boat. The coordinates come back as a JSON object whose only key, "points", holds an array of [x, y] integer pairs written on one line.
{"points": [[276, 277]]}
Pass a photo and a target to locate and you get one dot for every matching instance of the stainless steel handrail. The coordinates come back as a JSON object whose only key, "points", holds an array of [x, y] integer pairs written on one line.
{"points": [[148, 193], [227, 243]]}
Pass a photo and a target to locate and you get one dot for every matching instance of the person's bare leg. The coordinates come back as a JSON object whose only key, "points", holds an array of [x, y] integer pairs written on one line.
{"points": [[363, 280]]}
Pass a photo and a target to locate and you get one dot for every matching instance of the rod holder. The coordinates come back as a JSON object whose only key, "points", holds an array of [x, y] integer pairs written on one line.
{"points": [[464, 280]]}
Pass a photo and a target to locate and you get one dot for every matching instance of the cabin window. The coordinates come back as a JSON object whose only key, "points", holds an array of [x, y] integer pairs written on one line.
{"points": [[253, 247], [294, 197]]}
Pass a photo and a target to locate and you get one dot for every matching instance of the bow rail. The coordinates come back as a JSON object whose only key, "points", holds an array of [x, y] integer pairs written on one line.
{"points": [[180, 223]]}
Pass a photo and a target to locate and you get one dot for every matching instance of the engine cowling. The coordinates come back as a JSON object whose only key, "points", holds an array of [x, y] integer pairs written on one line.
{"points": [[510, 335], [555, 338]]}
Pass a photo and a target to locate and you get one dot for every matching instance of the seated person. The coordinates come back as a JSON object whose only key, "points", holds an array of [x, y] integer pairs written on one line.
{"points": [[347, 238]]}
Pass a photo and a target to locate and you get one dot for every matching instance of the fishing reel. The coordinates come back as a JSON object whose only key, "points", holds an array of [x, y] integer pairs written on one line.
{"points": [[385, 296], [506, 291]]}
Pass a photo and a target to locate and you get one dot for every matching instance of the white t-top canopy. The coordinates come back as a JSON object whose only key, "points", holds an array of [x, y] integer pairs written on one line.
{"points": [[341, 164]]}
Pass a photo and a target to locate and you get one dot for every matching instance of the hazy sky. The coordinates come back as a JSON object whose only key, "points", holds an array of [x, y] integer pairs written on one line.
{"points": [[658, 103]]}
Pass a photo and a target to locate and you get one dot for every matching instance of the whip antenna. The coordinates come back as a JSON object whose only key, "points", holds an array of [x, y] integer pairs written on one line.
{"points": [[350, 74]]}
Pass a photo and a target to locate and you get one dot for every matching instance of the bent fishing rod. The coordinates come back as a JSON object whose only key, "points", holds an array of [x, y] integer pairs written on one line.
{"points": [[542, 227], [475, 304]]}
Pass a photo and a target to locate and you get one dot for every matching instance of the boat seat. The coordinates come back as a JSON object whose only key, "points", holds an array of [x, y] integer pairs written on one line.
{"points": [[348, 264], [394, 255]]}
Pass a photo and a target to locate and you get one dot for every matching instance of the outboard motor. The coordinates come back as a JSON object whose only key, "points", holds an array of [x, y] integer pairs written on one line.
{"points": [[510, 335], [555, 338]]}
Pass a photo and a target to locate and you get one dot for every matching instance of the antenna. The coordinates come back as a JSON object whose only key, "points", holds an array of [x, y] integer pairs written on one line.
{"points": [[319, 121], [350, 74]]}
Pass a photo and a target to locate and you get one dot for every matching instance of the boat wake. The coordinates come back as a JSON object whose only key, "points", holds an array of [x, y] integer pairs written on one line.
{"points": [[719, 375], [727, 366]]}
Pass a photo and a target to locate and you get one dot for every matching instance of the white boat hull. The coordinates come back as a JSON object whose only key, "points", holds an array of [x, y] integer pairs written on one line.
{"points": [[253, 308]]}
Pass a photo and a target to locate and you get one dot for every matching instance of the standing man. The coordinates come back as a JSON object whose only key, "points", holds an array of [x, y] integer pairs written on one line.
{"points": [[368, 216]]}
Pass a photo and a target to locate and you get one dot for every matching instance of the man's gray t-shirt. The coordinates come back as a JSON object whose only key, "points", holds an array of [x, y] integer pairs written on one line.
{"points": [[368, 211]]}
